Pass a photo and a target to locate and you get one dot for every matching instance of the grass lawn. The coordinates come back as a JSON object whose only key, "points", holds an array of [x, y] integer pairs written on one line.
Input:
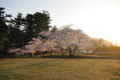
{"points": [[59, 69]]}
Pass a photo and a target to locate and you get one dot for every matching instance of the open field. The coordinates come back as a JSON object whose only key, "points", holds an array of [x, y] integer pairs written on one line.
{"points": [[59, 69]]}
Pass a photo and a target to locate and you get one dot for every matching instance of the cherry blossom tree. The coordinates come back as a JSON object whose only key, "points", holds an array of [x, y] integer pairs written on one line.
{"points": [[69, 40]]}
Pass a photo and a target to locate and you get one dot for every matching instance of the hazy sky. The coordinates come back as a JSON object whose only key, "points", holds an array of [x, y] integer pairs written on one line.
{"points": [[97, 18]]}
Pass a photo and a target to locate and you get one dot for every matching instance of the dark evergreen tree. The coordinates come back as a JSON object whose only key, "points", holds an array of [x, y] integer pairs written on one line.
{"points": [[3, 32], [36, 23], [54, 29], [23, 29], [16, 31]]}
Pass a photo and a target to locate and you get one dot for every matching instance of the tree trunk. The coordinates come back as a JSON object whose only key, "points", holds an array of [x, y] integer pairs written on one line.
{"points": [[43, 54], [62, 51], [74, 51], [60, 48], [50, 53], [69, 51]]}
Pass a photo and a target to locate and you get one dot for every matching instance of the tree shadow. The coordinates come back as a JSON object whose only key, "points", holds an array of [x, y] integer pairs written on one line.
{"points": [[81, 57]]}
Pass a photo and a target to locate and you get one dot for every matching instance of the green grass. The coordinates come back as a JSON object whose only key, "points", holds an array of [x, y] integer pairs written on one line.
{"points": [[59, 69]]}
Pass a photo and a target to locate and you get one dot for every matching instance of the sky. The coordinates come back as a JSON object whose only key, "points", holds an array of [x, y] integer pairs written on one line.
{"points": [[97, 18]]}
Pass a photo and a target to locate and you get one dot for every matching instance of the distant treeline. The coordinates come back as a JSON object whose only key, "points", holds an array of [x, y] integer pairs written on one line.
{"points": [[110, 48]]}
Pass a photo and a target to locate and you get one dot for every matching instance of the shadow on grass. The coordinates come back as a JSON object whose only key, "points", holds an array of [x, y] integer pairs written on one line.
{"points": [[80, 57], [85, 56]]}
